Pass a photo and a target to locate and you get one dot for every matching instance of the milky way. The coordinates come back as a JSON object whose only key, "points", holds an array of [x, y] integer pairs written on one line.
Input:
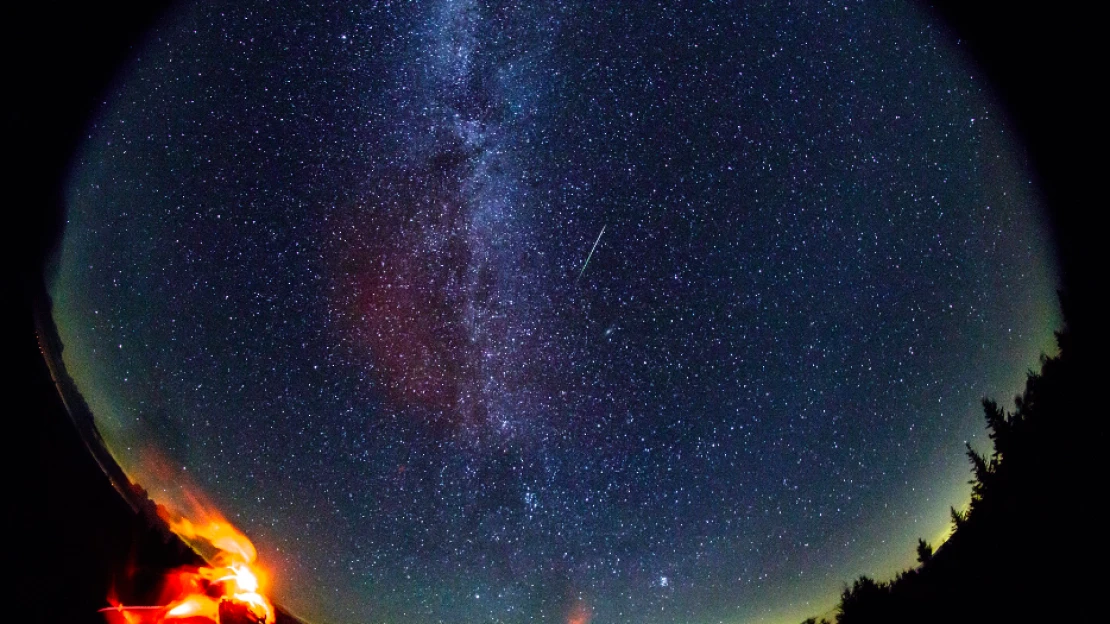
{"points": [[481, 312]]}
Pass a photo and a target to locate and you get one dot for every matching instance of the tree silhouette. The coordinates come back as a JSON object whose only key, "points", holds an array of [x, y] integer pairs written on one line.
{"points": [[1011, 556], [924, 551], [864, 601]]}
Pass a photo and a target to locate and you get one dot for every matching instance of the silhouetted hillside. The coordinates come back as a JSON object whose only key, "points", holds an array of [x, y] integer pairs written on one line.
{"points": [[50, 344], [1030, 545], [77, 535]]}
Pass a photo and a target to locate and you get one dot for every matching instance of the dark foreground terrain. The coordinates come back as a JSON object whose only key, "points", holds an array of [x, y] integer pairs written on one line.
{"points": [[76, 538], [1031, 547]]}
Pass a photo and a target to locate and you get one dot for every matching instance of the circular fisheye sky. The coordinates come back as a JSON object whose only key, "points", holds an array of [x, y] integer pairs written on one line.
{"points": [[555, 311]]}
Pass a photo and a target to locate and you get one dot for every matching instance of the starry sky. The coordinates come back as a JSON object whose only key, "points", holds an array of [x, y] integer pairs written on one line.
{"points": [[555, 312]]}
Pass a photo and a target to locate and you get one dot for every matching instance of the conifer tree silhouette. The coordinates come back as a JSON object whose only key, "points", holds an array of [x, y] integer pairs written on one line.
{"points": [[1032, 509], [924, 551]]}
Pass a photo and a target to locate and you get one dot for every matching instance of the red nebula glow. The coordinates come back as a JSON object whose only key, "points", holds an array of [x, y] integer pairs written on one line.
{"points": [[396, 296]]}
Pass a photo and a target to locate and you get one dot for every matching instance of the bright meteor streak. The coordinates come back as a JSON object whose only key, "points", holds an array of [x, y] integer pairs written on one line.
{"points": [[591, 254]]}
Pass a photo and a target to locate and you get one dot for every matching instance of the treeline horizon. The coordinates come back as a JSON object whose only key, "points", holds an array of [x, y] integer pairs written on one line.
{"points": [[1027, 546]]}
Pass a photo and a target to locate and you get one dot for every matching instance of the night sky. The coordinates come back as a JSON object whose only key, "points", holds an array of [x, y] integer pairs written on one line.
{"points": [[565, 312]]}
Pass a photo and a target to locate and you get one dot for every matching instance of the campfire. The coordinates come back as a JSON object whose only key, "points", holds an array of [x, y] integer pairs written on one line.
{"points": [[227, 591]]}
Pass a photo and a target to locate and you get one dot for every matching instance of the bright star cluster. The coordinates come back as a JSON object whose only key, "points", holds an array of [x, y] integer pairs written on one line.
{"points": [[555, 311]]}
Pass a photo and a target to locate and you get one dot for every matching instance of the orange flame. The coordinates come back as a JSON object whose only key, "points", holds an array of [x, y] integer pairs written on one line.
{"points": [[232, 581]]}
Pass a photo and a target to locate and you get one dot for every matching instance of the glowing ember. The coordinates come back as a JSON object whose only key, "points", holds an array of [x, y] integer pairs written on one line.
{"points": [[228, 590]]}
